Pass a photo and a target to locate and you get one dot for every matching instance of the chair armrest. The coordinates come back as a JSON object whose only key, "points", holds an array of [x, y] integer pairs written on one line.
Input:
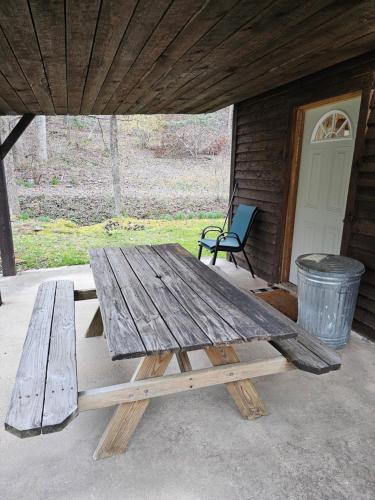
{"points": [[224, 235], [208, 229]]}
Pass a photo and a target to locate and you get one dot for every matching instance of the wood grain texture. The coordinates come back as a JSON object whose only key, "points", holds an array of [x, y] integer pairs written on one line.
{"points": [[242, 323], [78, 48], [215, 328], [243, 391], [24, 417], [135, 391], [183, 327], [246, 303], [153, 330], [96, 327], [49, 21], [60, 398], [183, 361], [122, 335], [17, 25], [147, 56], [44, 398], [124, 421]]}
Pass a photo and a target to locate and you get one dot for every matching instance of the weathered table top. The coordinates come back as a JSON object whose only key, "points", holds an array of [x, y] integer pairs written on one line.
{"points": [[160, 298]]}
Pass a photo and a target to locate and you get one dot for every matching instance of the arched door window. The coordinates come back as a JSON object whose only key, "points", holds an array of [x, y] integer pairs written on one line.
{"points": [[332, 126]]}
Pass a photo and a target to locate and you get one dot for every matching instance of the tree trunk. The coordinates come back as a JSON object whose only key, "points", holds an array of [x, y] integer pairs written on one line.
{"points": [[14, 204], [41, 134], [115, 165]]}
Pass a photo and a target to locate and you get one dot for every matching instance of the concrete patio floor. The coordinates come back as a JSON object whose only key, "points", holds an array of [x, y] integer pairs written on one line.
{"points": [[318, 441]]}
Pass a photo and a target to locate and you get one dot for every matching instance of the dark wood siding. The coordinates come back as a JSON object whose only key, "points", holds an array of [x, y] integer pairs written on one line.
{"points": [[261, 164]]}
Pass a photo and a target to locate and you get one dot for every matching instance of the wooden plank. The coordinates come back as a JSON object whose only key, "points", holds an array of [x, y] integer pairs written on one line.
{"points": [[14, 87], [179, 382], [61, 392], [329, 26], [175, 18], [123, 338], [216, 329], [210, 14], [24, 417], [86, 294], [243, 391], [242, 323], [184, 329], [154, 332], [248, 304], [79, 47], [230, 54], [127, 416], [145, 18], [17, 25], [114, 19], [96, 327], [183, 361], [49, 21], [8, 261]]}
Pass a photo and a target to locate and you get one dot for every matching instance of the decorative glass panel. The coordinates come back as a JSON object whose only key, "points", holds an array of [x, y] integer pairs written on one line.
{"points": [[333, 125]]}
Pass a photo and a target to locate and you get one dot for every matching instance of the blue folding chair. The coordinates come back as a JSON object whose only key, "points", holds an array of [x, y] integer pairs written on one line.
{"points": [[231, 241]]}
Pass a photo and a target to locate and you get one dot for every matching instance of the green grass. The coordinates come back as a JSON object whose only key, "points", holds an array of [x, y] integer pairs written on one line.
{"points": [[63, 243]]}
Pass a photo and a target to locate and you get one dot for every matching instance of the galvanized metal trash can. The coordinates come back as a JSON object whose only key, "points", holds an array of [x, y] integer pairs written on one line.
{"points": [[327, 295]]}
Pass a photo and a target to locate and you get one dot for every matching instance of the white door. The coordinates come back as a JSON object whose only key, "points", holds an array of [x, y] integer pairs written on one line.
{"points": [[325, 167]]}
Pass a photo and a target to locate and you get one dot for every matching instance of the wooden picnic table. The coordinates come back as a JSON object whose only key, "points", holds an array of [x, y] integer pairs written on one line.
{"points": [[154, 302], [158, 300]]}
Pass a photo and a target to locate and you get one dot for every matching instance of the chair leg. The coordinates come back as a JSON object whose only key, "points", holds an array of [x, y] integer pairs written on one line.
{"points": [[200, 252], [248, 263], [213, 260], [233, 259]]}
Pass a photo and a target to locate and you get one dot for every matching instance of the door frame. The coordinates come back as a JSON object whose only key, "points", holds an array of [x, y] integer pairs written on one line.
{"points": [[296, 139]]}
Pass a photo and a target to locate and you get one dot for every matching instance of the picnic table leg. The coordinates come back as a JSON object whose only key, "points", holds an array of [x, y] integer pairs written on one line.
{"points": [[126, 417], [183, 361], [95, 328], [243, 392]]}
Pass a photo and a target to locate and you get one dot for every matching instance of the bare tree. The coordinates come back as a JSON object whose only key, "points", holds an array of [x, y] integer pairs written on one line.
{"points": [[115, 164], [41, 135], [9, 164]]}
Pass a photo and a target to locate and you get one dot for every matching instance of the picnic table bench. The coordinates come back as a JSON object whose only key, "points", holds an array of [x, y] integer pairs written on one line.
{"points": [[154, 302]]}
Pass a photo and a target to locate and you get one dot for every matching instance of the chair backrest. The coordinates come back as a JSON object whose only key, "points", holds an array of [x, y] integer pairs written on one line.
{"points": [[242, 221]]}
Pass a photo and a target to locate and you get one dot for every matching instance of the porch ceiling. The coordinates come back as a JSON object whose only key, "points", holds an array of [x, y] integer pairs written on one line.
{"points": [[167, 56]]}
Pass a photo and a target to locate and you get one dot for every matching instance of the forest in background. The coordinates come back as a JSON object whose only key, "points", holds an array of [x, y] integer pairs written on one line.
{"points": [[90, 168]]}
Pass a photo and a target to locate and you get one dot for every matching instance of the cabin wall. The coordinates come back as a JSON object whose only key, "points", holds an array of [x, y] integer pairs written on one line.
{"points": [[261, 164]]}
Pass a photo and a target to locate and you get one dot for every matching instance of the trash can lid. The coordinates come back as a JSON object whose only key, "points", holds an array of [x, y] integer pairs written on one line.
{"points": [[325, 263]]}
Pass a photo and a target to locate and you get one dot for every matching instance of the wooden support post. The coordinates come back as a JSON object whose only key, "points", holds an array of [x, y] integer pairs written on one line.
{"points": [[6, 238], [8, 260], [124, 421], [183, 361], [96, 327], [243, 392]]}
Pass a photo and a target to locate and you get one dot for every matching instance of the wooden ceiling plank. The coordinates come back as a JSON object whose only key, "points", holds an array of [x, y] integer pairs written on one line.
{"points": [[17, 25], [233, 21], [177, 16], [81, 22], [23, 99], [212, 12], [147, 15], [114, 20], [348, 51], [265, 72], [269, 27], [9, 100], [49, 21]]}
